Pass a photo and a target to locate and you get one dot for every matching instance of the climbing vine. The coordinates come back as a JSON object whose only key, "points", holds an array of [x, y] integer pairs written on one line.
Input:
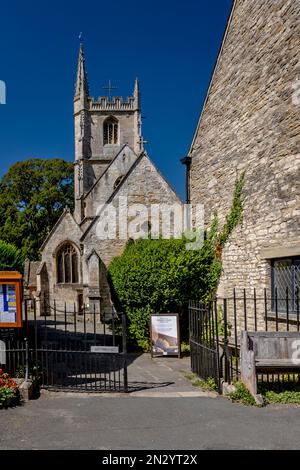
{"points": [[235, 214]]}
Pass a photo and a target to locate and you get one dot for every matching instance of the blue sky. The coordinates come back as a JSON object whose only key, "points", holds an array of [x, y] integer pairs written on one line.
{"points": [[170, 45]]}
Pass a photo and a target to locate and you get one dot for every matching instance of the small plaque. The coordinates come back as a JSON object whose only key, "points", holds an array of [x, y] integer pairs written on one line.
{"points": [[105, 349]]}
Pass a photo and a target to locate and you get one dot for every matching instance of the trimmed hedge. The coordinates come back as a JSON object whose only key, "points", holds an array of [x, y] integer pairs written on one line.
{"points": [[161, 276]]}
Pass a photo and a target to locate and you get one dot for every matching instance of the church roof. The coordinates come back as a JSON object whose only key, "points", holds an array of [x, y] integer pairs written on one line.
{"points": [[63, 215], [142, 155], [106, 169]]}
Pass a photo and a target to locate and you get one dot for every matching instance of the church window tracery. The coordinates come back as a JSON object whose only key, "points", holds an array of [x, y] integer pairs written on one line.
{"points": [[67, 265]]}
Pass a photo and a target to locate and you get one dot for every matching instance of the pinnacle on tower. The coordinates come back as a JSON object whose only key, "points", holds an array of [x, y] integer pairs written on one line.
{"points": [[82, 86], [136, 92]]}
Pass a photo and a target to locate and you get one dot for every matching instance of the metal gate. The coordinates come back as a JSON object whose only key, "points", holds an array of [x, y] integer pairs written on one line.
{"points": [[204, 341], [79, 350]]}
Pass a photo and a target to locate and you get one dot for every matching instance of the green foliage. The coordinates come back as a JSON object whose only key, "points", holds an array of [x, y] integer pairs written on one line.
{"points": [[208, 384], [185, 349], [155, 276], [284, 392], [11, 258], [33, 195], [280, 392], [221, 324], [139, 324], [242, 395], [235, 214]]}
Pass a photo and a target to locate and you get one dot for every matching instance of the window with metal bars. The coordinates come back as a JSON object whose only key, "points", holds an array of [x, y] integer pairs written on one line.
{"points": [[67, 265], [110, 131], [285, 284]]}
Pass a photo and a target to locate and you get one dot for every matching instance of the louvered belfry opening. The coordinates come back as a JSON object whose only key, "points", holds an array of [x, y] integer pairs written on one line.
{"points": [[110, 131]]}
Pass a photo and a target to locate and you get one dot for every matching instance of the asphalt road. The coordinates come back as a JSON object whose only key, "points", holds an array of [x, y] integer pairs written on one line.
{"points": [[69, 421]]}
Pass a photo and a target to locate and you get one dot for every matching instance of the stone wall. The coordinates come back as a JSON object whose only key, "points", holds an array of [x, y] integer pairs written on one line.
{"points": [[250, 122], [65, 231]]}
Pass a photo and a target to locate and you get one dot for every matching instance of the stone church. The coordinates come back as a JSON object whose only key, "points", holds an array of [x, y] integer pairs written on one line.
{"points": [[250, 122], [110, 163]]}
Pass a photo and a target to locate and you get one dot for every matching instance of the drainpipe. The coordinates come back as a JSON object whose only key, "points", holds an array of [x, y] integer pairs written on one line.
{"points": [[187, 162]]}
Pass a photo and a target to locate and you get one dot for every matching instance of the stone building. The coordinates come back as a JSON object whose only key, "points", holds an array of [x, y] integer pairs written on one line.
{"points": [[250, 122], [111, 167]]}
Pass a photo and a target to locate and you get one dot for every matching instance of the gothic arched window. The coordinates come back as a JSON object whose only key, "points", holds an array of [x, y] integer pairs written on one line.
{"points": [[67, 265], [110, 131]]}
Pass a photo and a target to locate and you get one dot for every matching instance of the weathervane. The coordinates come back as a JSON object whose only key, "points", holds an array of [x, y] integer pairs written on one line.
{"points": [[109, 87]]}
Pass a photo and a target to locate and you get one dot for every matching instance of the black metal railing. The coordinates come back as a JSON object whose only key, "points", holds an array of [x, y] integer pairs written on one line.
{"points": [[77, 350], [216, 326]]}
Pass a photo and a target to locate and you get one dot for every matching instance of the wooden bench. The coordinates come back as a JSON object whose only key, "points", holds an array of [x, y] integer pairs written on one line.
{"points": [[268, 352]]}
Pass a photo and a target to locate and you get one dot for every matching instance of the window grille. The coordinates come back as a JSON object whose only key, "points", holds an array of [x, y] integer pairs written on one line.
{"points": [[285, 283]]}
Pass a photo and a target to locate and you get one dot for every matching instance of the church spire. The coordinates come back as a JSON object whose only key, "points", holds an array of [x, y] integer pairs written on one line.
{"points": [[82, 86]]}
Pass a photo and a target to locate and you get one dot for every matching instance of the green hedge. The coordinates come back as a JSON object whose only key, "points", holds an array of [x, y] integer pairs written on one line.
{"points": [[11, 257], [161, 276], [156, 276]]}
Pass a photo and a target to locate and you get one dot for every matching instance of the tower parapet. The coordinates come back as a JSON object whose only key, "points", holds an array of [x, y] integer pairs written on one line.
{"points": [[117, 103]]}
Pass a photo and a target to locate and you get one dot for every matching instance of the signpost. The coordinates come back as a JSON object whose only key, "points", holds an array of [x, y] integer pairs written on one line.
{"points": [[165, 336], [10, 299]]}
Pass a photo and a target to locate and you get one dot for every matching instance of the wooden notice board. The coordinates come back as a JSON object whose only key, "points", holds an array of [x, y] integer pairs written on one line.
{"points": [[10, 299]]}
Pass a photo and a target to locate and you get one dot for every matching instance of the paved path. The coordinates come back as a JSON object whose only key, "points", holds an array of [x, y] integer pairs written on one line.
{"points": [[160, 377]]}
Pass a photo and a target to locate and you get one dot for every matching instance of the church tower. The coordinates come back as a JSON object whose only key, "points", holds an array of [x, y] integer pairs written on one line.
{"points": [[102, 128]]}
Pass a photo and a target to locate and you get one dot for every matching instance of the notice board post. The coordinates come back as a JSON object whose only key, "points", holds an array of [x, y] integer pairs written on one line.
{"points": [[10, 299]]}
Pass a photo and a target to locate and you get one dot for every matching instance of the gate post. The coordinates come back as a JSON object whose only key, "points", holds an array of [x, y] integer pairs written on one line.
{"points": [[26, 359], [226, 355], [124, 340]]}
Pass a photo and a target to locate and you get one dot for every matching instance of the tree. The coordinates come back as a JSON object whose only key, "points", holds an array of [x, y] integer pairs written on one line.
{"points": [[33, 194], [10, 257]]}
